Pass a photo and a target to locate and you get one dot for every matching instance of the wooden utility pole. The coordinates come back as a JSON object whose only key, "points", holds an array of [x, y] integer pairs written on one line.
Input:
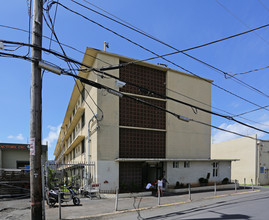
{"points": [[36, 110]]}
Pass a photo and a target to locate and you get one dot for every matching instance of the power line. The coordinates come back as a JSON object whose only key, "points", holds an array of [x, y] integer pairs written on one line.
{"points": [[251, 111], [179, 51], [53, 24], [250, 71], [99, 86], [63, 44], [29, 6], [48, 8], [133, 62], [264, 5], [231, 114], [241, 21], [72, 69], [139, 87]]}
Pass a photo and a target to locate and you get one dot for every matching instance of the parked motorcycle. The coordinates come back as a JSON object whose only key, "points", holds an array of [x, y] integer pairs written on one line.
{"points": [[52, 197]]}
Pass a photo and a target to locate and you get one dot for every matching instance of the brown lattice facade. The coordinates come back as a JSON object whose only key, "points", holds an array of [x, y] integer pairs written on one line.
{"points": [[138, 136]]}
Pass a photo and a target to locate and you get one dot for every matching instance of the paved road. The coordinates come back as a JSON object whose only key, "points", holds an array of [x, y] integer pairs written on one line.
{"points": [[241, 206], [204, 205]]}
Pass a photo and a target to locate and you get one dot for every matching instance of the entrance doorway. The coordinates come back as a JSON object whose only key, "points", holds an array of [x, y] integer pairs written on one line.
{"points": [[151, 171]]}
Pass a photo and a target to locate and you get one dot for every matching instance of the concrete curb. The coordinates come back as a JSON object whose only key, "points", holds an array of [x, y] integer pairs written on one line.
{"points": [[126, 195], [158, 206], [203, 188]]}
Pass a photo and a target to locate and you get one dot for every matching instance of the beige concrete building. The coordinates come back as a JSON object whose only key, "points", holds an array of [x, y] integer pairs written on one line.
{"points": [[17, 156], [131, 143], [253, 158]]}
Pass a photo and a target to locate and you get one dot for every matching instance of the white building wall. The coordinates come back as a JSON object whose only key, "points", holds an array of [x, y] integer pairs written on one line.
{"points": [[108, 175], [10, 158], [197, 170], [245, 150]]}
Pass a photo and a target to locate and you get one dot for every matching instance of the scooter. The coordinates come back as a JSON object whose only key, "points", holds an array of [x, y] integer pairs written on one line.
{"points": [[52, 197]]}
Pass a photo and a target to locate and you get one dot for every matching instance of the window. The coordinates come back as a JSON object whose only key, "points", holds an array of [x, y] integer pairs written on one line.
{"points": [[215, 169], [82, 146], [175, 164], [74, 154], [74, 134], [187, 164], [83, 120]]}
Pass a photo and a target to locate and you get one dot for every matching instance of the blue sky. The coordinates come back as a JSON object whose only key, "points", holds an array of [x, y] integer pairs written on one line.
{"points": [[180, 23]]}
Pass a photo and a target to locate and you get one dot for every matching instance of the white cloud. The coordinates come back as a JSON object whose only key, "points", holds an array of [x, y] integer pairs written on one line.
{"points": [[52, 135], [19, 137], [220, 136]]}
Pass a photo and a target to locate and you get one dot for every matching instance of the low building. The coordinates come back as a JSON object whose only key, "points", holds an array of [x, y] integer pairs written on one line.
{"points": [[15, 168], [253, 155], [130, 143], [17, 156]]}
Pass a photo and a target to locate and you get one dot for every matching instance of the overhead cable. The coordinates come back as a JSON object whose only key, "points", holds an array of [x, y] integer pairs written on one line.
{"points": [[141, 88], [63, 44], [180, 117], [99, 86], [188, 71], [177, 50], [241, 21]]}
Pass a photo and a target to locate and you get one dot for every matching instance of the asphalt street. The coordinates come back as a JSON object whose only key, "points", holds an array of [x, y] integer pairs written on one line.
{"points": [[228, 204], [238, 206]]}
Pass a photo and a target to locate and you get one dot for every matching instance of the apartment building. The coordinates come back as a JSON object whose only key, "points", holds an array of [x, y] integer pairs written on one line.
{"points": [[132, 143]]}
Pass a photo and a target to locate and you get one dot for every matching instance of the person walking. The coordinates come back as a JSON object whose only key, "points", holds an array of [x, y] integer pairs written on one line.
{"points": [[160, 186], [165, 182]]}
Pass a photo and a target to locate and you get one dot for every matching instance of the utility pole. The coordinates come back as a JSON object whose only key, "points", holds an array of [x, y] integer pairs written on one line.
{"points": [[36, 109]]}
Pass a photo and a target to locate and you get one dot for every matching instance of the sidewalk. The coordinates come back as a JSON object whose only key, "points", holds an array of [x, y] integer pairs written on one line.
{"points": [[95, 208]]}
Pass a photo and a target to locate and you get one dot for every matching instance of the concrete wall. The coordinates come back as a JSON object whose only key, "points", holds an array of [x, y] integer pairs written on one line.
{"points": [[105, 144], [188, 139], [197, 170], [10, 158], [243, 149], [108, 175]]}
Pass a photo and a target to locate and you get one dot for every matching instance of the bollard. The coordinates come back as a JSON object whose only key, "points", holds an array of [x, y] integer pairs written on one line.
{"points": [[159, 195], [189, 191], [235, 185], [117, 198], [59, 201], [244, 183], [252, 185], [215, 189]]}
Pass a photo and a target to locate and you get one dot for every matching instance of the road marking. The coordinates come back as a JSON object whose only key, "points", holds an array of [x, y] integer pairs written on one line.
{"points": [[246, 192], [163, 205], [232, 194]]}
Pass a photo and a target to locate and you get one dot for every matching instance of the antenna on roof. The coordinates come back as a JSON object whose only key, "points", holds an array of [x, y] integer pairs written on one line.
{"points": [[106, 45]]}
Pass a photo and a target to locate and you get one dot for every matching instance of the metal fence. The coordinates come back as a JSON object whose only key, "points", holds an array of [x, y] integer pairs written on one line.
{"points": [[14, 183], [78, 175]]}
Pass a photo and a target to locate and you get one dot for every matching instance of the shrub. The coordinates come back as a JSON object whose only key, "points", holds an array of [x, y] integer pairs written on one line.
{"points": [[203, 181], [179, 185], [225, 180]]}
